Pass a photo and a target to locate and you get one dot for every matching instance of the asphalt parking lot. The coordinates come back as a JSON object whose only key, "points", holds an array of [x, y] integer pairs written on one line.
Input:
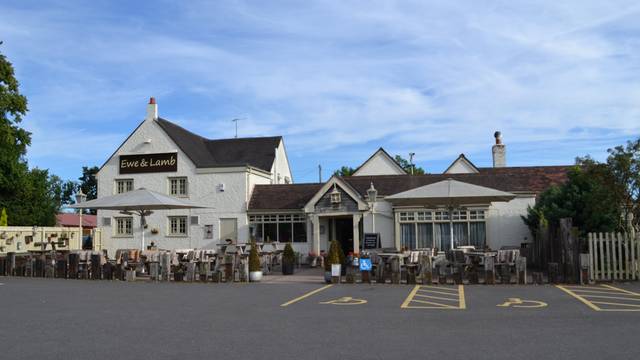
{"points": [[76, 319]]}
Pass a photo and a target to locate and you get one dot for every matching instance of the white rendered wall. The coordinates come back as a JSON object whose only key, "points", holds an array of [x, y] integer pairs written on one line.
{"points": [[280, 168], [202, 189], [504, 223], [379, 164], [460, 167], [384, 223]]}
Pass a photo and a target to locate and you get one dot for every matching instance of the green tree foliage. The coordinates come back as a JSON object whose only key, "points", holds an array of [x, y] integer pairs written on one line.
{"points": [[590, 197], [404, 164], [3, 217], [624, 164], [344, 171], [13, 139], [89, 185], [254, 259]]}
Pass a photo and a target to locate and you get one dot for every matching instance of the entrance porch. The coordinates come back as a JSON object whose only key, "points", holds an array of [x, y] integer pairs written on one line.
{"points": [[346, 228]]}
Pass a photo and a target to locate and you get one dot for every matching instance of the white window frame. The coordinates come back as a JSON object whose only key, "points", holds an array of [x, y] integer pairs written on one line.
{"points": [[117, 227], [177, 232], [177, 180], [438, 216], [258, 220], [125, 185]]}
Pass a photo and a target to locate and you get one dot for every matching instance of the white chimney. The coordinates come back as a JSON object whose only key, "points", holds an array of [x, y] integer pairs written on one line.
{"points": [[499, 151], [152, 110]]}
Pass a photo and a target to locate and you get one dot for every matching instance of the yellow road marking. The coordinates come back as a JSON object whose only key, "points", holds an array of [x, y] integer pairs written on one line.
{"points": [[420, 294], [306, 295], [613, 297], [437, 297], [593, 292], [413, 292], [463, 304], [347, 300], [623, 290], [585, 301], [440, 292], [617, 304]]}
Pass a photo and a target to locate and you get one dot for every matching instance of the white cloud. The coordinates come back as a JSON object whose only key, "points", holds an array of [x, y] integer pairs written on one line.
{"points": [[338, 79]]}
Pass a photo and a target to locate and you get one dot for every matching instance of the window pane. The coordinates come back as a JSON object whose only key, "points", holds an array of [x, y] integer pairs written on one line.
{"points": [[425, 235], [408, 236], [442, 236], [284, 232], [300, 232], [477, 234], [270, 232], [460, 234]]}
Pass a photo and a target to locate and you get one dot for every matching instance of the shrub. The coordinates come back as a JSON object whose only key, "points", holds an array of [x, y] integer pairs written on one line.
{"points": [[3, 217], [254, 259], [335, 257], [289, 256]]}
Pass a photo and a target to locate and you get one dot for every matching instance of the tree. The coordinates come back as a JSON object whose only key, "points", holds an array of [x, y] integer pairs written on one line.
{"points": [[89, 185], [406, 166], [624, 164], [3, 217], [344, 171], [590, 197], [88, 182], [13, 139]]}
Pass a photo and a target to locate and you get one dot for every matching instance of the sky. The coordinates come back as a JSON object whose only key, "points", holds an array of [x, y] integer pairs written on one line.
{"points": [[337, 79]]}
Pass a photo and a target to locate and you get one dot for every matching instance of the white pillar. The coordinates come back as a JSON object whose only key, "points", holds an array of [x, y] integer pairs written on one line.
{"points": [[396, 223], [315, 219], [356, 232]]}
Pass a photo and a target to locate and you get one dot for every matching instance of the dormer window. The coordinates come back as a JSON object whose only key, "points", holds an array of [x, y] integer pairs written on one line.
{"points": [[335, 196]]}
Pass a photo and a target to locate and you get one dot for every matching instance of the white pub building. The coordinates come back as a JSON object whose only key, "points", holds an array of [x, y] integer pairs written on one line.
{"points": [[246, 186]]}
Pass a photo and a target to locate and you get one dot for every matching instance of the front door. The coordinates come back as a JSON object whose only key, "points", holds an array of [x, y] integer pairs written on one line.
{"points": [[344, 233]]}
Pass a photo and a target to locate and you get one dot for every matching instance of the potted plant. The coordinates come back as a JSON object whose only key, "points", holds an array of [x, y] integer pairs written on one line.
{"points": [[178, 274], [288, 260], [334, 262], [255, 271]]}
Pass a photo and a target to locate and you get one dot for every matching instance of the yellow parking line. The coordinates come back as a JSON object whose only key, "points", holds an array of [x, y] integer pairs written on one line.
{"points": [[617, 304], [614, 297], [463, 304], [440, 292], [306, 295], [413, 292], [585, 301], [437, 297], [420, 292], [623, 290]]}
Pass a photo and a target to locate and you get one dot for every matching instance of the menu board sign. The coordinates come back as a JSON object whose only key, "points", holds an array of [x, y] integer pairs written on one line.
{"points": [[148, 163], [371, 240]]}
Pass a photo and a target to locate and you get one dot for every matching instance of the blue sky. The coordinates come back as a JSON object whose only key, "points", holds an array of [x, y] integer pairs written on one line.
{"points": [[337, 79]]}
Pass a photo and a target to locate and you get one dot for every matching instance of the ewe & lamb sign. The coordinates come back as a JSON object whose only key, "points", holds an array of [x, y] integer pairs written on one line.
{"points": [[148, 163]]}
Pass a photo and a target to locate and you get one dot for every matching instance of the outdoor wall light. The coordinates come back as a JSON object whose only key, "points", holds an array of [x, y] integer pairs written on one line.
{"points": [[335, 196]]}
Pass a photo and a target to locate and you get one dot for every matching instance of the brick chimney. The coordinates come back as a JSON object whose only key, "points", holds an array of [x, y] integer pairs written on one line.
{"points": [[499, 151], [152, 110]]}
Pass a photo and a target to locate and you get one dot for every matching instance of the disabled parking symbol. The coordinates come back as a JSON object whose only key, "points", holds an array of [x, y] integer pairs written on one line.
{"points": [[519, 303], [346, 300]]}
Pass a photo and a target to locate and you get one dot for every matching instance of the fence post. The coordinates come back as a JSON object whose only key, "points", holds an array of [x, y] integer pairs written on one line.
{"points": [[591, 256]]}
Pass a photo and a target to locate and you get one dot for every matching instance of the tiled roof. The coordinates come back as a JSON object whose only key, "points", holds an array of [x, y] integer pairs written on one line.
{"points": [[533, 180], [258, 152], [282, 196], [69, 219]]}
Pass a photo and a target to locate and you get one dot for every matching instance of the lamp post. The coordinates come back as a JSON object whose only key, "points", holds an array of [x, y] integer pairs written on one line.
{"points": [[80, 198], [372, 194]]}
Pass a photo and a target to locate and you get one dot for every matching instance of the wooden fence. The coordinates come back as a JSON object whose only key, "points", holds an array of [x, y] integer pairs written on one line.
{"points": [[613, 256]]}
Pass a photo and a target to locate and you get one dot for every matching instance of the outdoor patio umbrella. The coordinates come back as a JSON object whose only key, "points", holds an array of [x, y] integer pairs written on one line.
{"points": [[451, 194], [141, 202]]}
